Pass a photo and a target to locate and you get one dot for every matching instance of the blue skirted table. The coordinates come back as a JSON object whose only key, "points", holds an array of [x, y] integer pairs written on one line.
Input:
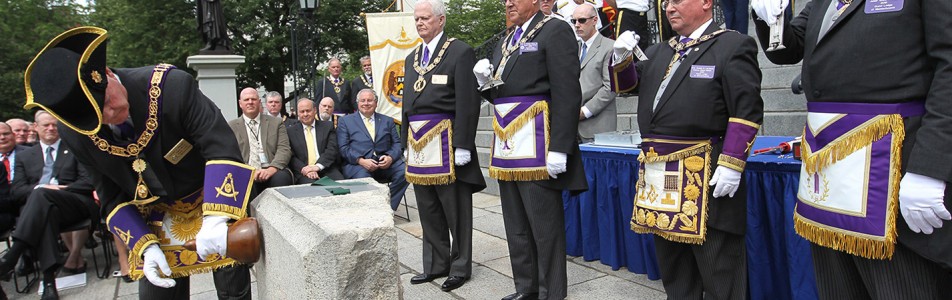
{"points": [[778, 260]]}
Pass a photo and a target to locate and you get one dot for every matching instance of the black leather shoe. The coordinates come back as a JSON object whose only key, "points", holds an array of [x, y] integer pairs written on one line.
{"points": [[424, 278], [72, 271], [452, 283], [49, 291], [521, 296]]}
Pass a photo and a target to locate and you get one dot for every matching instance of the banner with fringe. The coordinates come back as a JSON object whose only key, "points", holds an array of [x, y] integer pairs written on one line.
{"points": [[391, 37]]}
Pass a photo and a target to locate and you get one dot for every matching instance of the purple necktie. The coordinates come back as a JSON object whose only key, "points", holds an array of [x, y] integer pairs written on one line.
{"points": [[839, 4], [426, 56], [684, 41], [515, 37]]}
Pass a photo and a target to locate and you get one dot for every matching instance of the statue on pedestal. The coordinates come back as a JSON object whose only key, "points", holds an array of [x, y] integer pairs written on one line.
{"points": [[211, 23]]}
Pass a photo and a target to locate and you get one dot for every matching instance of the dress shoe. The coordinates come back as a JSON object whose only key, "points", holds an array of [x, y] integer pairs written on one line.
{"points": [[71, 271], [452, 283], [521, 296], [49, 291], [424, 278]]}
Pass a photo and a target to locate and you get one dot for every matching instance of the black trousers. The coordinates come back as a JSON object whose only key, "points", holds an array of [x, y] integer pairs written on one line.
{"points": [[717, 268], [535, 230], [47, 211], [842, 276], [446, 213], [637, 21], [232, 283]]}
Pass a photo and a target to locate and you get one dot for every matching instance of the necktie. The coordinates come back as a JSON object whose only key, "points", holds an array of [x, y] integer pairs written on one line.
{"points": [[515, 37], [840, 4], [125, 131], [584, 51], [255, 145], [370, 79], [311, 146], [684, 41], [6, 164], [370, 128], [47, 166], [426, 56]]}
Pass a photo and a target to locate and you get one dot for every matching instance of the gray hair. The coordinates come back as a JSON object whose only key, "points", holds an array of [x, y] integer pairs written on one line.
{"points": [[364, 58], [370, 91], [273, 94], [439, 9]]}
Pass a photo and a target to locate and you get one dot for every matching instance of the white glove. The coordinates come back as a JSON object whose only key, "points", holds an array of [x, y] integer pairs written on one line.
{"points": [[627, 41], [153, 262], [555, 163], [921, 202], [483, 70], [769, 10], [213, 237], [463, 156], [725, 181]]}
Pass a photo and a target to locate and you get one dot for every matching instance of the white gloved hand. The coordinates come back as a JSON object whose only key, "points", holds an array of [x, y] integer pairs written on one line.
{"points": [[153, 262], [555, 163], [462, 156], [483, 70], [769, 10], [921, 202], [725, 181], [627, 41], [213, 237]]}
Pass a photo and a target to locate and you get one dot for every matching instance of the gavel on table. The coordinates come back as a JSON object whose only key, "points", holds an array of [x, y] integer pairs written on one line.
{"points": [[244, 241]]}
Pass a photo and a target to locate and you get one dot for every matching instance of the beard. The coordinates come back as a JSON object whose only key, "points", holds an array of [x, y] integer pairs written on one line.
{"points": [[324, 116]]}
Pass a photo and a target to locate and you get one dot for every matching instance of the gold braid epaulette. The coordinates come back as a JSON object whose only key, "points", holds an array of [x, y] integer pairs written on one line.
{"points": [[151, 124]]}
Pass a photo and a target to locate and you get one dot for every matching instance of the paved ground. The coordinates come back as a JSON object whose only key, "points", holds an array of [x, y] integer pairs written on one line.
{"points": [[492, 273]]}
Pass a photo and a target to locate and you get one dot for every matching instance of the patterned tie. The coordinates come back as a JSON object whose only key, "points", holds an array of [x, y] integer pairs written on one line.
{"points": [[684, 41], [311, 146], [255, 145], [6, 164], [370, 128], [584, 51], [515, 37], [47, 166], [426, 56]]}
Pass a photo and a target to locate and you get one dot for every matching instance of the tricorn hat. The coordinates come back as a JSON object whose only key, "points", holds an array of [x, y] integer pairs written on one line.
{"points": [[68, 78]]}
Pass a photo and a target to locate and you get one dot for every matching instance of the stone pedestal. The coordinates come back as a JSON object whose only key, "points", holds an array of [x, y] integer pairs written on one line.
{"points": [[333, 247], [217, 80]]}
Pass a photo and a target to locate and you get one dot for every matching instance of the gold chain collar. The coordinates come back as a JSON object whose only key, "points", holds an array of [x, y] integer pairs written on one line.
{"points": [[151, 123], [508, 49], [429, 67], [679, 46]]}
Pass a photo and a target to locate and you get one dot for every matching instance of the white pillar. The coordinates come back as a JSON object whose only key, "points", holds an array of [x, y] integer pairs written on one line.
{"points": [[217, 80]]}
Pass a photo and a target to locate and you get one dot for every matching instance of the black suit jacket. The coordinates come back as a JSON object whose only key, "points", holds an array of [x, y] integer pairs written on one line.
{"points": [[701, 107], [66, 170], [357, 84], [887, 57], [457, 96], [553, 69], [343, 101], [186, 114], [326, 140]]}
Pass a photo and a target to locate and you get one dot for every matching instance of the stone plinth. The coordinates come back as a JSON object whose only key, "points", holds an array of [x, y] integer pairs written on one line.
{"points": [[217, 80], [335, 247]]}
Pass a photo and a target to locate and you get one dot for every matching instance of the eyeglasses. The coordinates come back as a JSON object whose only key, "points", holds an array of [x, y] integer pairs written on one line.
{"points": [[581, 21], [664, 4]]}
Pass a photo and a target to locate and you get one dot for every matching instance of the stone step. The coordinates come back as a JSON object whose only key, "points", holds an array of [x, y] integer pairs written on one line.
{"points": [[779, 77]]}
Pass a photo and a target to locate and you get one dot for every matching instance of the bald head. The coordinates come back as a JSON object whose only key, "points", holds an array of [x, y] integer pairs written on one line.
{"points": [[21, 130], [306, 111], [249, 102]]}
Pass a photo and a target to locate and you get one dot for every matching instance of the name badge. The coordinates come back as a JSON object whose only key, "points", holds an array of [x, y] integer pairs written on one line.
{"points": [[178, 152], [883, 6], [702, 71], [263, 159], [528, 47], [439, 79]]}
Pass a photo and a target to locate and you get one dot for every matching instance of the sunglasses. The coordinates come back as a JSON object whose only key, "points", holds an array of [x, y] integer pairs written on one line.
{"points": [[581, 21]]}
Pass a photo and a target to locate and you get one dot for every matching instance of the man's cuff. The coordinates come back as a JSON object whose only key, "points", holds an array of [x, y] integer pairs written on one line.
{"points": [[588, 113], [320, 167], [227, 187], [737, 142], [127, 224]]}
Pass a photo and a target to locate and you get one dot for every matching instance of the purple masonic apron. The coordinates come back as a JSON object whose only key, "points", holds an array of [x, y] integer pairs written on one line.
{"points": [[430, 150], [521, 142], [671, 197], [849, 182]]}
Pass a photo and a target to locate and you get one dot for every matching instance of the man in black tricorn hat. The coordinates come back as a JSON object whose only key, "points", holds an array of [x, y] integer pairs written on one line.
{"points": [[165, 162]]}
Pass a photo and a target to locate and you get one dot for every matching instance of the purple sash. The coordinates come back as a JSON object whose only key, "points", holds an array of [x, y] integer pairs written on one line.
{"points": [[429, 147], [849, 181], [672, 190], [521, 141]]}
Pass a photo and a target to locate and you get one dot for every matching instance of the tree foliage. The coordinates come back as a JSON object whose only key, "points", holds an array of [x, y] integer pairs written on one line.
{"points": [[475, 21], [145, 33]]}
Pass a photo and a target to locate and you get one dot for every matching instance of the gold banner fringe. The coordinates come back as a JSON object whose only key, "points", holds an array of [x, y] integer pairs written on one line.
{"points": [[506, 133], [856, 139], [427, 137], [847, 243], [137, 274], [519, 174], [677, 155]]}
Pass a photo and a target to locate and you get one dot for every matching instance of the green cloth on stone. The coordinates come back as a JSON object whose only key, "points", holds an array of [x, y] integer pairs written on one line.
{"points": [[338, 191]]}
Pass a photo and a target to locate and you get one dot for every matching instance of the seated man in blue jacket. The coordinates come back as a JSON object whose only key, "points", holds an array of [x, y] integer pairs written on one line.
{"points": [[370, 146]]}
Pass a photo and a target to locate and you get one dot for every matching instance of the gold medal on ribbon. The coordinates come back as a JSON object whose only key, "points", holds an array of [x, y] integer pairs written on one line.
{"points": [[337, 89], [419, 84]]}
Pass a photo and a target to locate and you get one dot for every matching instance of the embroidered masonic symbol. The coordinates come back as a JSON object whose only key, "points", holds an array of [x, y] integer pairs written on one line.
{"points": [[125, 236], [227, 188]]}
